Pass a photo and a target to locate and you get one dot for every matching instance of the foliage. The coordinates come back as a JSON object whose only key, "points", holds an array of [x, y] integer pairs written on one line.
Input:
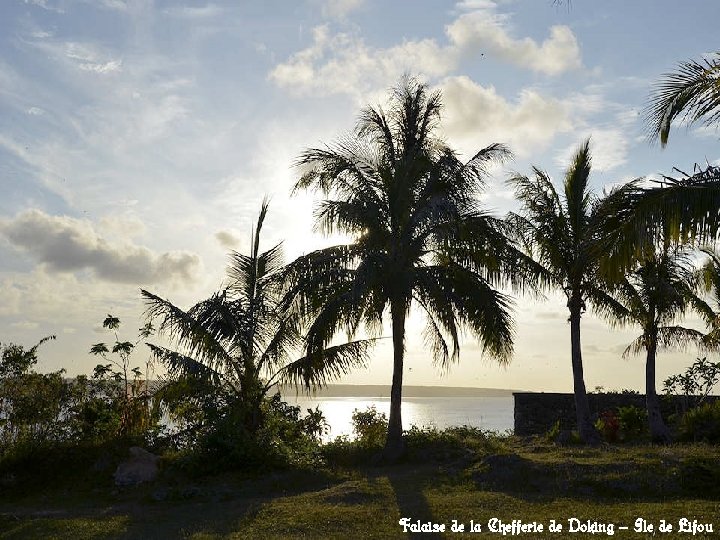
{"points": [[691, 93], [132, 392], [696, 383], [284, 439], [563, 233], [232, 348], [701, 423], [609, 425], [633, 422], [419, 236], [370, 427]]}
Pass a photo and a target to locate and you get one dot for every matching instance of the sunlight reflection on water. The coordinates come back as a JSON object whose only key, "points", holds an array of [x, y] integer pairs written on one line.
{"points": [[491, 413]]}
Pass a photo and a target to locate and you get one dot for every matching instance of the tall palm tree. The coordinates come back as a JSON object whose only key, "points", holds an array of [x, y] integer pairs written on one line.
{"points": [[241, 339], [419, 237], [655, 295], [692, 93], [564, 235]]}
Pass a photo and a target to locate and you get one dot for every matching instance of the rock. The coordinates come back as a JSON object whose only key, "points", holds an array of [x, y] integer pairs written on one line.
{"points": [[141, 467]]}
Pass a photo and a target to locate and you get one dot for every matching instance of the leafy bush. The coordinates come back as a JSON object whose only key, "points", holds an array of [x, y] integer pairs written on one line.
{"points": [[633, 422], [695, 384], [284, 439], [608, 425], [701, 423], [370, 427]]}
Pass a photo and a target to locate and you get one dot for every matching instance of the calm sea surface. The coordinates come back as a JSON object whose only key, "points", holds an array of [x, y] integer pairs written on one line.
{"points": [[492, 413]]}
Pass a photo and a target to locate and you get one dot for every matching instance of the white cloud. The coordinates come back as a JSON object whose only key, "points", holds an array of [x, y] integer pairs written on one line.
{"points": [[191, 12], [35, 111], [343, 63], [475, 116], [88, 58], [338, 9], [66, 244], [45, 5], [107, 67], [485, 31], [608, 149]]}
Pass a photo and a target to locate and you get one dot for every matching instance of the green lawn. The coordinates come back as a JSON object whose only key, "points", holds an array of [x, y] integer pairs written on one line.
{"points": [[531, 481]]}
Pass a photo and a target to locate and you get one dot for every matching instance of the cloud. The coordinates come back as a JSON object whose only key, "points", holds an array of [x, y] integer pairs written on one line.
{"points": [[338, 9], [107, 67], [45, 5], [35, 111], [227, 239], [343, 63], [608, 149], [65, 244], [87, 58], [24, 325], [475, 116], [484, 30], [187, 12]]}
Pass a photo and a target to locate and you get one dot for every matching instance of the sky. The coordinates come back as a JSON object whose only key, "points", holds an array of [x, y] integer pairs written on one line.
{"points": [[139, 137]]}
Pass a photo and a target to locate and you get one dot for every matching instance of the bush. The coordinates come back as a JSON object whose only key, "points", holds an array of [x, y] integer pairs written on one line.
{"points": [[370, 427], [701, 424], [633, 422], [608, 425]]}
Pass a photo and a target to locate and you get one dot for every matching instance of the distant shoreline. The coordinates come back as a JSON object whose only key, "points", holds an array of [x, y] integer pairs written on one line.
{"points": [[383, 391]]}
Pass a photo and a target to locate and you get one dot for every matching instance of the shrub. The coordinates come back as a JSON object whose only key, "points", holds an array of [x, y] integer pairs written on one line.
{"points": [[608, 425], [370, 427], [701, 424], [633, 421]]}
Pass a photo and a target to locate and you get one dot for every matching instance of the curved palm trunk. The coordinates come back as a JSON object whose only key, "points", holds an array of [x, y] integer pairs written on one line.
{"points": [[659, 432], [586, 429], [394, 445]]}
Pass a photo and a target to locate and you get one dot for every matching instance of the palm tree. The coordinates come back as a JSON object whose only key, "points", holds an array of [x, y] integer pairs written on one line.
{"points": [[419, 238], [564, 235], [240, 340], [691, 93], [710, 278], [654, 296]]}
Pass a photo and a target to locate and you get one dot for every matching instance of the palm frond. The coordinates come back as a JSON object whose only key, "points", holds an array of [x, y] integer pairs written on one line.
{"points": [[317, 369], [690, 93]]}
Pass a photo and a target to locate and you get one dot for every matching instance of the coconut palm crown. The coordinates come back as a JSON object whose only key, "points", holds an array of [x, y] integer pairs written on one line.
{"points": [[242, 340], [419, 237]]}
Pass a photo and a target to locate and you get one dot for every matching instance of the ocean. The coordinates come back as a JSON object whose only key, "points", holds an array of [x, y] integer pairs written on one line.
{"points": [[490, 413]]}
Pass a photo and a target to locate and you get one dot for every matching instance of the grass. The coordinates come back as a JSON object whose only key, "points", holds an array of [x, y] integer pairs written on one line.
{"points": [[460, 475]]}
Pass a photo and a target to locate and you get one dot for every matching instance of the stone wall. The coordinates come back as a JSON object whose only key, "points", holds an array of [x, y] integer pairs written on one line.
{"points": [[536, 413]]}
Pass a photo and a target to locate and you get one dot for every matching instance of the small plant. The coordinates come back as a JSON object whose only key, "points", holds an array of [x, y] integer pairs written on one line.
{"points": [[695, 384], [552, 434], [608, 425], [701, 423], [134, 393], [633, 421], [370, 427]]}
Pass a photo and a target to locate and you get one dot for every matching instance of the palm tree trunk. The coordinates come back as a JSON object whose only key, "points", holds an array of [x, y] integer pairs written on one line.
{"points": [[659, 432], [394, 445], [586, 429]]}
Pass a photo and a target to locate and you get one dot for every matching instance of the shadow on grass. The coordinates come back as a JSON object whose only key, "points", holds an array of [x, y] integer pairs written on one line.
{"points": [[407, 485]]}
